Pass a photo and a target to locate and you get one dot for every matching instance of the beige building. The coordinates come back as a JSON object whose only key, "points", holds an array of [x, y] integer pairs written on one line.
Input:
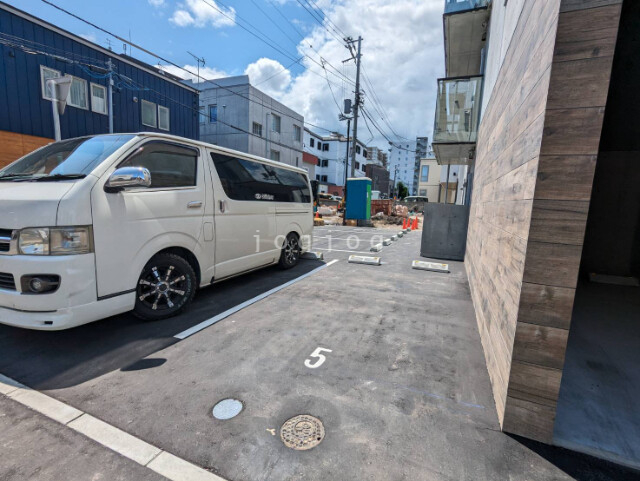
{"points": [[429, 179]]}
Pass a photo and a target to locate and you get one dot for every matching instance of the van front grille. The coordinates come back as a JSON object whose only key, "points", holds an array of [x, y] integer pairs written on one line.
{"points": [[7, 282]]}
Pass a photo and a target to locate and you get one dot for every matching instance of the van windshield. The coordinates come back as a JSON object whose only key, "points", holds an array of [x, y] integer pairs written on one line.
{"points": [[67, 159]]}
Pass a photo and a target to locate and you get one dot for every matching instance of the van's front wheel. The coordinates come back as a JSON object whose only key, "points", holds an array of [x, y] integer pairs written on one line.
{"points": [[290, 251], [165, 287]]}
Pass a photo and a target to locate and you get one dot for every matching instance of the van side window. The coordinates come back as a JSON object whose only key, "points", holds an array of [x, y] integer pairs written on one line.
{"points": [[170, 165], [244, 179]]}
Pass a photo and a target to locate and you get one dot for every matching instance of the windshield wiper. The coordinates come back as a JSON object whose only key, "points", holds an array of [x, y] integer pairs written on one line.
{"points": [[14, 176], [54, 177]]}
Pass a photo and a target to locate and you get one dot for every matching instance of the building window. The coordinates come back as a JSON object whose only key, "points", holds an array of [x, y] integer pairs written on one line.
{"points": [[257, 129], [324, 162], [317, 176], [149, 114], [323, 178], [364, 153], [213, 114], [99, 99], [358, 165], [423, 192], [275, 155], [325, 147], [297, 133], [424, 173], [163, 117], [319, 145], [47, 73], [311, 143], [357, 149], [78, 94], [275, 123]]}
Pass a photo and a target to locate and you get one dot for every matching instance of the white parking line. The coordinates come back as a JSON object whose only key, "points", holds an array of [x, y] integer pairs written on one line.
{"points": [[111, 437], [204, 324], [340, 250]]}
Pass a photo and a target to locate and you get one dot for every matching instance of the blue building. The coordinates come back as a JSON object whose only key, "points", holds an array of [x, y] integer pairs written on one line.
{"points": [[32, 51]]}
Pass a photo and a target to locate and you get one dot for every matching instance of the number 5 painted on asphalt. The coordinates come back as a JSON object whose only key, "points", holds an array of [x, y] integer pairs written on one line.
{"points": [[321, 358]]}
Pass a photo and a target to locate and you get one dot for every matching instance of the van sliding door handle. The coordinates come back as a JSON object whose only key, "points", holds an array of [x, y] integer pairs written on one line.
{"points": [[223, 206], [195, 204]]}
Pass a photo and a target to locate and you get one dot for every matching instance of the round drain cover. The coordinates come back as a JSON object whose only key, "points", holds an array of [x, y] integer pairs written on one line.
{"points": [[227, 409], [302, 432]]}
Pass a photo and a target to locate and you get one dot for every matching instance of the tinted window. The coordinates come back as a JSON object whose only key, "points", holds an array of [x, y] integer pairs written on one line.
{"points": [[170, 165], [248, 180]]}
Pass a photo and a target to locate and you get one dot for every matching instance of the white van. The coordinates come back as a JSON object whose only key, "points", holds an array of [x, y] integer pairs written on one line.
{"points": [[96, 226]]}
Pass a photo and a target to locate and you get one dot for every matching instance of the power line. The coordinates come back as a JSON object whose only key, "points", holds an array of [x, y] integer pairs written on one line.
{"points": [[334, 33], [377, 104], [302, 37], [326, 17], [159, 57], [264, 40]]}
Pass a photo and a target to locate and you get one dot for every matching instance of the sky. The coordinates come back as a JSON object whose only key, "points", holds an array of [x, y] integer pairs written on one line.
{"points": [[283, 47]]}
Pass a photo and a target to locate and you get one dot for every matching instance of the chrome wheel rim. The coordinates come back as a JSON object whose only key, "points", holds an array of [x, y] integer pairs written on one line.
{"points": [[291, 250], [161, 291]]}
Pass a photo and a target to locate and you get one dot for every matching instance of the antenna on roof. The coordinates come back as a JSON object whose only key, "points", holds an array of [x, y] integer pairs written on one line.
{"points": [[200, 60], [109, 44]]}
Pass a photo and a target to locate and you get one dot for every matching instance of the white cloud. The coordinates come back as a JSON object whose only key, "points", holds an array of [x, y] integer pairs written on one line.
{"points": [[157, 3], [206, 73], [89, 36], [270, 76], [203, 13], [402, 56]]}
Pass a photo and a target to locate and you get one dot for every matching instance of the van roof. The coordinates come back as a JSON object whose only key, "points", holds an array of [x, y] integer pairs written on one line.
{"points": [[224, 150]]}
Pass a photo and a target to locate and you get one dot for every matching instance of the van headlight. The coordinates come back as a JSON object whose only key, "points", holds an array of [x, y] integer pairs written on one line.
{"points": [[55, 241]]}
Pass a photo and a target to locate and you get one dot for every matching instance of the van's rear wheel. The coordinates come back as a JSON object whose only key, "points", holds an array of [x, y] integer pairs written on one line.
{"points": [[290, 251], [165, 287]]}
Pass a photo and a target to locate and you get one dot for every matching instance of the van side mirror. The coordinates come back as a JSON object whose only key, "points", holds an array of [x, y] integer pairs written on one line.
{"points": [[126, 177]]}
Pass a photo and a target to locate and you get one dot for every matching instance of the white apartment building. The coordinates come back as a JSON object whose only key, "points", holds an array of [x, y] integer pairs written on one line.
{"points": [[331, 151], [404, 162]]}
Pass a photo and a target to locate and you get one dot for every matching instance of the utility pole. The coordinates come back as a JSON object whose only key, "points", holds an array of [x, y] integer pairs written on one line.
{"points": [[356, 104], [346, 156], [110, 95]]}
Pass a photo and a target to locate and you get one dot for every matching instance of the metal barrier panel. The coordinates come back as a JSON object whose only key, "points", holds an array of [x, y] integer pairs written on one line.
{"points": [[444, 231]]}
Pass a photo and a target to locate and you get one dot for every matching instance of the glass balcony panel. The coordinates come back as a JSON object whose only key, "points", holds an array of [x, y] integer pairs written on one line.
{"points": [[457, 110], [453, 6]]}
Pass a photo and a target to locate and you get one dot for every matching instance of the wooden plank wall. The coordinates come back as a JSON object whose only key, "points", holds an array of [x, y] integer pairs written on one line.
{"points": [[536, 154], [580, 73], [13, 146], [505, 177]]}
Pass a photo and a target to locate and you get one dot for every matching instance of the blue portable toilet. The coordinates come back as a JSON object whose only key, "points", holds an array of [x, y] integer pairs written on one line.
{"points": [[358, 198]]}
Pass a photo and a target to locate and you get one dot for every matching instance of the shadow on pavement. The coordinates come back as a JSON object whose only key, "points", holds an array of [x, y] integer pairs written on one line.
{"points": [[58, 359], [580, 467]]}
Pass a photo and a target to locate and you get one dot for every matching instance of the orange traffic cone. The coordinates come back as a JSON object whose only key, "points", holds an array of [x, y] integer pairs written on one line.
{"points": [[318, 215], [415, 224], [404, 223]]}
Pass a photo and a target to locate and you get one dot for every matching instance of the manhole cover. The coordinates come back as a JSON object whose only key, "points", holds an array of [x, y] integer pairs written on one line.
{"points": [[302, 432], [227, 409]]}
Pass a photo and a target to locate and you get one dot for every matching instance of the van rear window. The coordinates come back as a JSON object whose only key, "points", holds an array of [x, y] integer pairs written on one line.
{"points": [[244, 179]]}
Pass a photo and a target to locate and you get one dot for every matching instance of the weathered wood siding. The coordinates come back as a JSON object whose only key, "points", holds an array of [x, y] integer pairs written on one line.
{"points": [[536, 156], [506, 164], [13, 146]]}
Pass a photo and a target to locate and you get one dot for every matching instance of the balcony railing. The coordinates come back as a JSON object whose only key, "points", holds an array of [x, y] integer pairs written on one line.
{"points": [[453, 6], [457, 110]]}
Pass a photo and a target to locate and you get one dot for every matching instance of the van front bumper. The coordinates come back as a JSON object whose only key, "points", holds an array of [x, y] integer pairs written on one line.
{"points": [[73, 303]]}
